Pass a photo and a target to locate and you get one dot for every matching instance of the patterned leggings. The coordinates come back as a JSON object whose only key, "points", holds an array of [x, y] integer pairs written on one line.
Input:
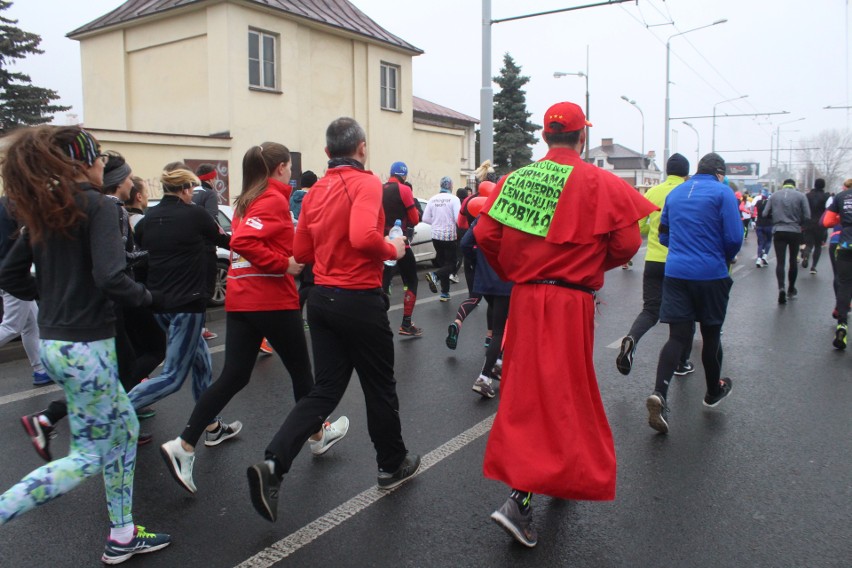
{"points": [[104, 430]]}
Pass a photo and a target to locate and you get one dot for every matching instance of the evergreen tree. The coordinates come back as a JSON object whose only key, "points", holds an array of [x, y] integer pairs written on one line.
{"points": [[21, 102], [514, 134]]}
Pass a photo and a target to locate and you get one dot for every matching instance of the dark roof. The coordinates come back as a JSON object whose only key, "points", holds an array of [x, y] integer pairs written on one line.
{"points": [[339, 14], [621, 157], [422, 106]]}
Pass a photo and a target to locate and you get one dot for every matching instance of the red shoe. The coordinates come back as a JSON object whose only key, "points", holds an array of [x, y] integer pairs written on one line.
{"points": [[265, 347], [208, 335]]}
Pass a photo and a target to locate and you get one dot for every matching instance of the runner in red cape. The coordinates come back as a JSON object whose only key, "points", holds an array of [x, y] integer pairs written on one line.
{"points": [[554, 227]]}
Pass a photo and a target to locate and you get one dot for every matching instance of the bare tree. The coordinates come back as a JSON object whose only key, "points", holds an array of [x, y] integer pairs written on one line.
{"points": [[829, 155]]}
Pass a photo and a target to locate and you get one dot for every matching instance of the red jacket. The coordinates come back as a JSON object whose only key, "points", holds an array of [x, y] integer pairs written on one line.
{"points": [[261, 247], [341, 230]]}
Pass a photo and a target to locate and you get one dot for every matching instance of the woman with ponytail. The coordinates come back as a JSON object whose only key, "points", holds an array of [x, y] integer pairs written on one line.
{"points": [[262, 301], [52, 177]]}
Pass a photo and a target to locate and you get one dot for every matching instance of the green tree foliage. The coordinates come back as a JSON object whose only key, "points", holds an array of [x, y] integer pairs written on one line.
{"points": [[514, 134], [21, 102]]}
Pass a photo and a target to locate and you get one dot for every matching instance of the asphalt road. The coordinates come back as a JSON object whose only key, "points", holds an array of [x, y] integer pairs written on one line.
{"points": [[763, 480]]}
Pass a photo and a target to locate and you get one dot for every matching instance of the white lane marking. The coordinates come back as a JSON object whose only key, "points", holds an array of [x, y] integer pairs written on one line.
{"points": [[337, 516], [32, 393]]}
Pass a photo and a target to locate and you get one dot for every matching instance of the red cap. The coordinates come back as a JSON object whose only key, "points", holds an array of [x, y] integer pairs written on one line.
{"points": [[569, 115]]}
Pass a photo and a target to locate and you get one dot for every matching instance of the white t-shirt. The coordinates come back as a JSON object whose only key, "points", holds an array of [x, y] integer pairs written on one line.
{"points": [[441, 212]]}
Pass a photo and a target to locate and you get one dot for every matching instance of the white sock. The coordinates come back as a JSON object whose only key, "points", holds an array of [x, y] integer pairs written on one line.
{"points": [[122, 535], [271, 465], [43, 420]]}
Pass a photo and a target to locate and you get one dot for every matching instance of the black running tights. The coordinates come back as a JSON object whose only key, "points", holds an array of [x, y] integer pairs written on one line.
{"points": [[680, 334], [244, 331]]}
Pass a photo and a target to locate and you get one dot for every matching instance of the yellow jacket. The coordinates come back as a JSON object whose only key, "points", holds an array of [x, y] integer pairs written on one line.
{"points": [[650, 225]]}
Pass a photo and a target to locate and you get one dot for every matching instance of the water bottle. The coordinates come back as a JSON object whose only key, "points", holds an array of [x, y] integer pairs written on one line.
{"points": [[396, 231]]}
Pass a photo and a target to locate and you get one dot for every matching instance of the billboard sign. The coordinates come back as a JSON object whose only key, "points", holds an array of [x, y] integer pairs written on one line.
{"points": [[743, 169]]}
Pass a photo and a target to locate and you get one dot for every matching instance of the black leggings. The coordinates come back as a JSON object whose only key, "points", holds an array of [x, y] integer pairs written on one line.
{"points": [[407, 266], [244, 331], [500, 305], [814, 238], [844, 284], [680, 334], [784, 240]]}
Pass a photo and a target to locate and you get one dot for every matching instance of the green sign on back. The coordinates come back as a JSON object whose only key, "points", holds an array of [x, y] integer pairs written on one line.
{"points": [[529, 197]]}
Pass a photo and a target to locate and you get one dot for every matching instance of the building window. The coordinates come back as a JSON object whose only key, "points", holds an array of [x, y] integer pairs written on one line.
{"points": [[600, 163], [390, 86], [262, 60]]}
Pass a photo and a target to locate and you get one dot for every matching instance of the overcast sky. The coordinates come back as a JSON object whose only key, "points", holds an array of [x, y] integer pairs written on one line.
{"points": [[785, 55]]}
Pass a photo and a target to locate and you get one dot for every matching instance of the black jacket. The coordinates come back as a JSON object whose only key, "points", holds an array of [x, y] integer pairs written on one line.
{"points": [[176, 234], [77, 279]]}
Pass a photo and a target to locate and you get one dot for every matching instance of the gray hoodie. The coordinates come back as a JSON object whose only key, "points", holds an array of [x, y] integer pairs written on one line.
{"points": [[788, 210]]}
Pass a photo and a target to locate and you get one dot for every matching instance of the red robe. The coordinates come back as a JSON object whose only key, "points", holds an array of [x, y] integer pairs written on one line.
{"points": [[551, 435]]}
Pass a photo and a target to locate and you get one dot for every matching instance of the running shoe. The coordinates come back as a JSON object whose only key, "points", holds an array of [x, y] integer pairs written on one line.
{"points": [[142, 543], [804, 260], [432, 280], [764, 261], [208, 335], [265, 347], [454, 278], [144, 438], [483, 386], [453, 335], [628, 265], [487, 341], [658, 412], [40, 435], [792, 293], [332, 432], [840, 336], [624, 360], [410, 329], [41, 378], [517, 524], [179, 462], [684, 369], [725, 387], [445, 297], [758, 263], [406, 470], [146, 413], [263, 488], [222, 433], [813, 270], [782, 297]]}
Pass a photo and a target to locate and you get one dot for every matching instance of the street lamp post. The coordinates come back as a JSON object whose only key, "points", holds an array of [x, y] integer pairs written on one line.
{"points": [[778, 145], [668, 67], [633, 103], [697, 142], [713, 145], [585, 75]]}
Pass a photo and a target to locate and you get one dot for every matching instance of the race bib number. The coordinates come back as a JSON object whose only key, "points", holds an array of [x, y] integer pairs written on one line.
{"points": [[529, 197], [238, 261]]}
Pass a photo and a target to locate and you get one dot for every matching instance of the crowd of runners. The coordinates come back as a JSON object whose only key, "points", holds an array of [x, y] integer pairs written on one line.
{"points": [[122, 288]]}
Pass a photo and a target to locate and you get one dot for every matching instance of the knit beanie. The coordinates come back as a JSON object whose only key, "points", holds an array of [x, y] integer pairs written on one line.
{"points": [[677, 166]]}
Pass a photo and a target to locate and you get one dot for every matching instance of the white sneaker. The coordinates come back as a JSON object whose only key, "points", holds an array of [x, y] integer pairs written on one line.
{"points": [[332, 432], [179, 462], [454, 278]]}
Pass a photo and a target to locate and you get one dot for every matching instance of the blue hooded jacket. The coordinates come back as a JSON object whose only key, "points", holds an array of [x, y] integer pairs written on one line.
{"points": [[701, 226]]}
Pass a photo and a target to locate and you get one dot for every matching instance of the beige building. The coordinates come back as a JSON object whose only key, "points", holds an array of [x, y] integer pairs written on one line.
{"points": [[639, 171], [203, 80]]}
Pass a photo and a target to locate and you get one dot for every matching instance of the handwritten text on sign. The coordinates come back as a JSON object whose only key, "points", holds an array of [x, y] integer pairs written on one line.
{"points": [[529, 197]]}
